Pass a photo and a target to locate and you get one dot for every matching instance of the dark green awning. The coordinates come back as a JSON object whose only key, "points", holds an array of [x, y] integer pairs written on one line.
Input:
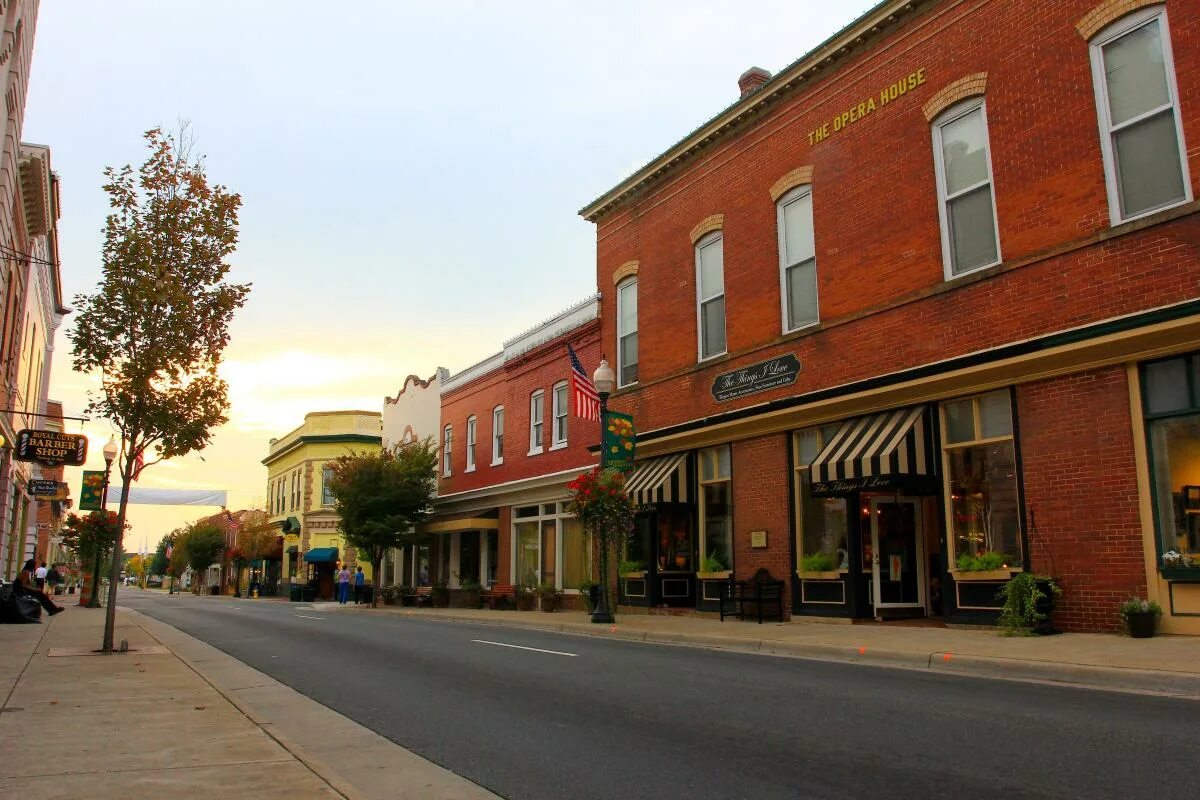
{"points": [[290, 525], [321, 554]]}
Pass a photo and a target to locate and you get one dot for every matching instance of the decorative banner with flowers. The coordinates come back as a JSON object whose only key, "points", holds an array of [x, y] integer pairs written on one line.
{"points": [[619, 441], [91, 493]]}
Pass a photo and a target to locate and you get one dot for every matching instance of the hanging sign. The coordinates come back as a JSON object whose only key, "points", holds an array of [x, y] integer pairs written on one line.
{"points": [[771, 374], [618, 441], [47, 490], [91, 493], [51, 448]]}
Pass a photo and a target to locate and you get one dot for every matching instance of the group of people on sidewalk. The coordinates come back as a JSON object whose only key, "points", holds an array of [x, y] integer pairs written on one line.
{"points": [[344, 581], [30, 583]]}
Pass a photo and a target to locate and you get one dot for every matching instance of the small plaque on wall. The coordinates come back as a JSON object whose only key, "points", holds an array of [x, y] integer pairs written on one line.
{"points": [[758, 538]]}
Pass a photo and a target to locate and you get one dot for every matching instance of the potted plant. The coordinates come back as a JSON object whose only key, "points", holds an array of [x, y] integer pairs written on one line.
{"points": [[712, 567], [550, 596], [407, 594], [388, 595], [586, 587], [440, 594], [1028, 600], [820, 566], [632, 569], [1140, 617], [469, 593], [524, 596]]}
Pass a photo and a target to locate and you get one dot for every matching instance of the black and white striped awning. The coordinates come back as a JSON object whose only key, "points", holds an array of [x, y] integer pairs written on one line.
{"points": [[880, 452], [660, 480]]}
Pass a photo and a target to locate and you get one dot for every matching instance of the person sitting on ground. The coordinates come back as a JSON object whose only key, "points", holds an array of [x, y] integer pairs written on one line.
{"points": [[24, 586]]}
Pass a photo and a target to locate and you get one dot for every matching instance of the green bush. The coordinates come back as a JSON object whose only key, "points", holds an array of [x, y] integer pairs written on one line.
{"points": [[631, 566], [983, 562], [818, 562], [1021, 595], [712, 563]]}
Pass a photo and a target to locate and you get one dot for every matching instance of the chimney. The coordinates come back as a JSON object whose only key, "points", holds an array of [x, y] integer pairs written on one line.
{"points": [[752, 79]]}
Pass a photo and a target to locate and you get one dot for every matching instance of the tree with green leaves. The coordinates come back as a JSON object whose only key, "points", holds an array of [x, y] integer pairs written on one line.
{"points": [[91, 539], [205, 544], [381, 497], [155, 328], [160, 561]]}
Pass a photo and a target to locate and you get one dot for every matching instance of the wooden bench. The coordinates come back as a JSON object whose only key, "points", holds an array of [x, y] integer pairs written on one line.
{"points": [[762, 592], [422, 596], [499, 595]]}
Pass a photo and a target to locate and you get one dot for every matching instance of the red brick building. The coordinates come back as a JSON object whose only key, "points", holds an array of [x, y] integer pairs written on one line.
{"points": [[510, 444], [921, 312]]}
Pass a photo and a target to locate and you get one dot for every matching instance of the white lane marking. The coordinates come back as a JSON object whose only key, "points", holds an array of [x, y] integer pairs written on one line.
{"points": [[306, 616], [520, 647]]}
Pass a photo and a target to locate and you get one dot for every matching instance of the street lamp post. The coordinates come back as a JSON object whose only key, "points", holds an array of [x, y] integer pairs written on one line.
{"points": [[114, 577], [110, 454], [604, 379]]}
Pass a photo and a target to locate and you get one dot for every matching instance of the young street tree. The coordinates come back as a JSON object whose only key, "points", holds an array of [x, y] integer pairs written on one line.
{"points": [[158, 322], [205, 543], [382, 496], [91, 539]]}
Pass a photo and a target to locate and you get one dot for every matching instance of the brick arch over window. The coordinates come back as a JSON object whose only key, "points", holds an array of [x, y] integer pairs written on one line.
{"points": [[707, 225], [967, 86], [1109, 11], [800, 176], [627, 270]]}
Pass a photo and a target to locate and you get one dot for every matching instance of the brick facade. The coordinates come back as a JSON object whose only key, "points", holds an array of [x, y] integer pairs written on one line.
{"points": [[1081, 490], [758, 465]]}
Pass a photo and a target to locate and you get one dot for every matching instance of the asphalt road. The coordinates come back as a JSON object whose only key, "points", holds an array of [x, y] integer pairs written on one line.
{"points": [[597, 718]]}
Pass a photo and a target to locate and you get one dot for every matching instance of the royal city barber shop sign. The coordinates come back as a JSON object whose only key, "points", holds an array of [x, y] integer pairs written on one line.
{"points": [[51, 448], [772, 374]]}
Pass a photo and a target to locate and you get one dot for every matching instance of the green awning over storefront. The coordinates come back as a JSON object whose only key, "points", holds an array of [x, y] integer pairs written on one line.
{"points": [[321, 554]]}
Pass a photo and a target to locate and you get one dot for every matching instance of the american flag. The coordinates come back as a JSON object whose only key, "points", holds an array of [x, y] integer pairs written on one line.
{"points": [[139, 463], [587, 401]]}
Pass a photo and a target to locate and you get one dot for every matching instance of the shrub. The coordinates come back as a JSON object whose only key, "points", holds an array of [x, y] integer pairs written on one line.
{"points": [[818, 562]]}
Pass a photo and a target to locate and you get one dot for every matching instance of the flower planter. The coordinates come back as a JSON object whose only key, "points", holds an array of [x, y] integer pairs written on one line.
{"points": [[408, 599], [441, 599], [982, 574], [1141, 624], [548, 605], [821, 575], [714, 576], [524, 601], [636, 574]]}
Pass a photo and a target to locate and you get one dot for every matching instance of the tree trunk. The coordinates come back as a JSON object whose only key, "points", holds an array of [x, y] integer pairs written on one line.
{"points": [[110, 617], [376, 565]]}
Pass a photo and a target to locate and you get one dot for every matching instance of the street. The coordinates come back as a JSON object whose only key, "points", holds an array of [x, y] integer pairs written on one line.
{"points": [[534, 715]]}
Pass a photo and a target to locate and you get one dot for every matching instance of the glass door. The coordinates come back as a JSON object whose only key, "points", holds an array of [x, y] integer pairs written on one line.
{"points": [[897, 561]]}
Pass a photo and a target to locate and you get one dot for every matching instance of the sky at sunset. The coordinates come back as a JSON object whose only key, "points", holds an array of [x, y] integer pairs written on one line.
{"points": [[411, 174]]}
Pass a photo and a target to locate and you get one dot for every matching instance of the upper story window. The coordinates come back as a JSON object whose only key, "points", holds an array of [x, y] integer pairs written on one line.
{"points": [[471, 444], [447, 449], [797, 259], [497, 435], [536, 407], [326, 492], [966, 202], [296, 489], [710, 294], [1141, 137], [559, 403], [627, 332]]}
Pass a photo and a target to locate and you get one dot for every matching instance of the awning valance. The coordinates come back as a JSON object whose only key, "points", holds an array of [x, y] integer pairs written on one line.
{"points": [[660, 480], [321, 555], [461, 524], [879, 452], [290, 525]]}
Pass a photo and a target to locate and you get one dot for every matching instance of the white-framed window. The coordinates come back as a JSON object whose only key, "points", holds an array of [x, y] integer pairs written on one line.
{"points": [[797, 259], [327, 498], [497, 435], [296, 489], [710, 295], [471, 425], [979, 467], [447, 448], [627, 332], [1137, 99], [549, 545], [966, 201], [558, 436], [716, 505], [536, 425]]}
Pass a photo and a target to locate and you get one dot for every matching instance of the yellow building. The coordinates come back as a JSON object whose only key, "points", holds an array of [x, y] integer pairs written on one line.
{"points": [[298, 498]]}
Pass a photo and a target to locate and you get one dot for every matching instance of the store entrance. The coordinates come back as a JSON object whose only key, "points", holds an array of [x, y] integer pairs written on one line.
{"points": [[897, 556]]}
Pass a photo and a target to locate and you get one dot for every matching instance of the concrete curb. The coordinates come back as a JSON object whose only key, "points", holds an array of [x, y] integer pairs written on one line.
{"points": [[1091, 676]]}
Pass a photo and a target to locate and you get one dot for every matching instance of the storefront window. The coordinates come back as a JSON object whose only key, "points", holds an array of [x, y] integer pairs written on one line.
{"points": [[526, 554], [423, 576], [981, 472], [716, 507], [1171, 392], [576, 554], [821, 522]]}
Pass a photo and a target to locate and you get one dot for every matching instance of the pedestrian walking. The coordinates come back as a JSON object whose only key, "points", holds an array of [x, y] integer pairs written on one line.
{"points": [[39, 577], [359, 580], [343, 585]]}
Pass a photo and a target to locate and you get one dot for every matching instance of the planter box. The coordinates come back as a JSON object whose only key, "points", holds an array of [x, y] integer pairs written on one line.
{"points": [[823, 575], [983, 574], [638, 574], [723, 575], [1183, 574]]}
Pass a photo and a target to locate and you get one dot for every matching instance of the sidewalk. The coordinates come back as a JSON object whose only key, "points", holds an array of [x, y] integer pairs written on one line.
{"points": [[1163, 664], [175, 715]]}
